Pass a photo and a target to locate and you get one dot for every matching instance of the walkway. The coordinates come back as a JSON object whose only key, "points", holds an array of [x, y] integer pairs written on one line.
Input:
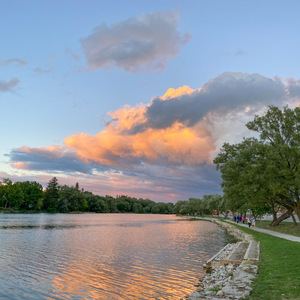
{"points": [[278, 234]]}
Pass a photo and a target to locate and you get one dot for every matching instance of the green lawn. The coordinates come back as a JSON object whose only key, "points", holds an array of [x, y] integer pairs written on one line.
{"points": [[283, 227], [279, 268]]}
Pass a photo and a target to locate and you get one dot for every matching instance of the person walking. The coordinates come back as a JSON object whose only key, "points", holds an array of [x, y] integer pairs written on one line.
{"points": [[249, 222], [253, 222], [243, 220]]}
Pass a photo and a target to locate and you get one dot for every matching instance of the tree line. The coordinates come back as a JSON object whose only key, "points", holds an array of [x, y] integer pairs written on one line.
{"points": [[208, 205], [31, 197]]}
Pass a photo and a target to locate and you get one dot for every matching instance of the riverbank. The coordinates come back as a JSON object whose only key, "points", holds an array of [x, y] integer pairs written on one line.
{"points": [[229, 275], [278, 269]]}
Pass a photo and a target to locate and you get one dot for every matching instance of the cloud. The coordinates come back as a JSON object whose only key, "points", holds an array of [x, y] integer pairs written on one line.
{"points": [[183, 127], [227, 92], [239, 52], [43, 71], [8, 86], [54, 158], [293, 88], [142, 43], [12, 61], [165, 147]]}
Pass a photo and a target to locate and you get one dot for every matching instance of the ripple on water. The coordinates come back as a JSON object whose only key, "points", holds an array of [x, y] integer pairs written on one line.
{"points": [[95, 256]]}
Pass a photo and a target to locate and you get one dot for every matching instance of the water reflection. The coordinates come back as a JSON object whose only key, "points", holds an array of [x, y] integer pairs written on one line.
{"points": [[93, 256]]}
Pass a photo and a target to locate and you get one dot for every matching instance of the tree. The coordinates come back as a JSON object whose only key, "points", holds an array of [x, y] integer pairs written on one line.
{"points": [[71, 199], [6, 192], [51, 197], [280, 131], [212, 203], [32, 194], [195, 206], [138, 208], [264, 173]]}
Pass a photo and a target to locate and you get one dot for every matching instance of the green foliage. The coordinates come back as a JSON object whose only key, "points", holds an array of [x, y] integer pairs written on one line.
{"points": [[51, 196], [21, 195], [123, 206], [71, 199], [262, 174], [210, 204], [29, 196]]}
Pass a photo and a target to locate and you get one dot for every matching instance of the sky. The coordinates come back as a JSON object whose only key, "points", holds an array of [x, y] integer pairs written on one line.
{"points": [[137, 97]]}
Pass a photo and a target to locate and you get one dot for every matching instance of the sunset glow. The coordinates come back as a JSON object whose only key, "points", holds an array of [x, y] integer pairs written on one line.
{"points": [[138, 101]]}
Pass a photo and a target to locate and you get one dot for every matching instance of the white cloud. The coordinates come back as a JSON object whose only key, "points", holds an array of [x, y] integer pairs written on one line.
{"points": [[142, 43]]}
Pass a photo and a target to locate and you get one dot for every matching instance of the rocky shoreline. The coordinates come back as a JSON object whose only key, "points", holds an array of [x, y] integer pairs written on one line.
{"points": [[226, 281]]}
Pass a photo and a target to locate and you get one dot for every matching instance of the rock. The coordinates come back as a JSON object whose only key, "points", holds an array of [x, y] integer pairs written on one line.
{"points": [[231, 281], [210, 293], [194, 295]]}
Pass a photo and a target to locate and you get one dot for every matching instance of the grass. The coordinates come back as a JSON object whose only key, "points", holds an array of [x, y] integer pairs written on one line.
{"points": [[283, 227], [279, 268]]}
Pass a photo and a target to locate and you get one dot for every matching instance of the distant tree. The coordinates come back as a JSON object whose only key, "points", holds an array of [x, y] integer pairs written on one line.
{"points": [[6, 192], [195, 206], [71, 199], [96, 203], [177, 206], [123, 206], [32, 194], [155, 209], [51, 196], [112, 203], [138, 208], [212, 203]]}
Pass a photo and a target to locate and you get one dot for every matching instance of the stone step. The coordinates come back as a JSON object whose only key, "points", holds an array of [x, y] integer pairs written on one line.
{"points": [[217, 259], [237, 255], [253, 251]]}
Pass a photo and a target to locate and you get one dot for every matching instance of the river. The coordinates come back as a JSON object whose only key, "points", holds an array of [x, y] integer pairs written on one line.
{"points": [[103, 256]]}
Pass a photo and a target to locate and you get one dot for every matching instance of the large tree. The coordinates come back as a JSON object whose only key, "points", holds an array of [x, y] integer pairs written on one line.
{"points": [[279, 130], [264, 173]]}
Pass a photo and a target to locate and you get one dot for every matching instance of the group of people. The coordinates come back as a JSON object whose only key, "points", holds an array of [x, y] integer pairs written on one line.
{"points": [[250, 220]]}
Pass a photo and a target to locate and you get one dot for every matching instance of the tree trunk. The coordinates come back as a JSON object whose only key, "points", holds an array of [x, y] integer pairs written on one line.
{"points": [[281, 218], [294, 220], [274, 212], [297, 209]]}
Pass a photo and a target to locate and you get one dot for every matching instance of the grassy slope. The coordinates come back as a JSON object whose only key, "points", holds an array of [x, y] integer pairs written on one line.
{"points": [[279, 268]]}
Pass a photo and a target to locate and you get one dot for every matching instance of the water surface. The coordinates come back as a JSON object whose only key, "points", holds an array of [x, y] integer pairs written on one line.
{"points": [[103, 256]]}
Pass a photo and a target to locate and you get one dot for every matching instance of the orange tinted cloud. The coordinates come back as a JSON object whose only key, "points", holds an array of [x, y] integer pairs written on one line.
{"points": [[172, 93], [116, 145], [176, 144]]}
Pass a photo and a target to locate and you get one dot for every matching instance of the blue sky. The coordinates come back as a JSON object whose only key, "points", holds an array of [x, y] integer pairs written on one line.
{"points": [[83, 89]]}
